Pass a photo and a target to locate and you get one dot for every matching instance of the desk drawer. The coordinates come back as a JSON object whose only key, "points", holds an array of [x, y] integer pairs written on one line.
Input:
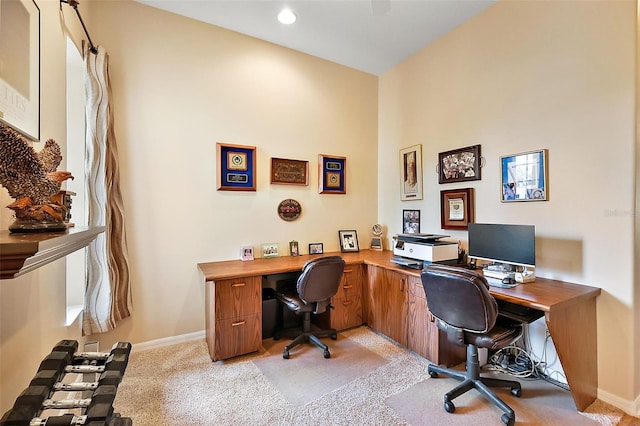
{"points": [[237, 297], [237, 336], [351, 284]]}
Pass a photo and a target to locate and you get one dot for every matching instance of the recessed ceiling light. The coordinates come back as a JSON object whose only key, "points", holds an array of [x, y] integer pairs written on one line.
{"points": [[287, 17]]}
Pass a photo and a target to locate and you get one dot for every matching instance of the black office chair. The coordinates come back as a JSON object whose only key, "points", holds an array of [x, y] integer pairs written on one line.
{"points": [[317, 284], [460, 301]]}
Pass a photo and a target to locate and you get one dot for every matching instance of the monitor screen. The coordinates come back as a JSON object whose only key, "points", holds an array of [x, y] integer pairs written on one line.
{"points": [[512, 244]]}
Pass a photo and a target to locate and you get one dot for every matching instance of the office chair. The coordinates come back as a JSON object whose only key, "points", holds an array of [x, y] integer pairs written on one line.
{"points": [[317, 284], [460, 301]]}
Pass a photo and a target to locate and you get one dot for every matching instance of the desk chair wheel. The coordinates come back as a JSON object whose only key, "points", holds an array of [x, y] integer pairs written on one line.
{"points": [[449, 407], [516, 391], [334, 336], [508, 420], [433, 374], [285, 354], [327, 354]]}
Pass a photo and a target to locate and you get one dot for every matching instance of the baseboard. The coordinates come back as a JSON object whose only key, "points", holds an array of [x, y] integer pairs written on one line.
{"points": [[168, 341], [630, 407]]}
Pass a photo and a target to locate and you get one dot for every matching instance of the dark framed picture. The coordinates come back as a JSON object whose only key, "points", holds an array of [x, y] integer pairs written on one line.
{"points": [[348, 241], [293, 248], [316, 248], [20, 70], [331, 174], [460, 165], [524, 177], [236, 167], [411, 173], [456, 208], [410, 221], [290, 172]]}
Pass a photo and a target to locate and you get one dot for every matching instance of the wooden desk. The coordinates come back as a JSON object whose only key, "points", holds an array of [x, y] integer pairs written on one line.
{"points": [[570, 309]]}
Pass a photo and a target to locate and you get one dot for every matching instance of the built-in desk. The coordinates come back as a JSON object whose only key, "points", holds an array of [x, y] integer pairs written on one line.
{"points": [[570, 309]]}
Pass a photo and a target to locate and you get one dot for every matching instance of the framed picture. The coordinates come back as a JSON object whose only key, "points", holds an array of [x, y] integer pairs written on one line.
{"points": [[456, 208], [524, 177], [331, 174], [410, 221], [293, 248], [246, 253], [348, 241], [291, 172], [270, 250], [316, 248], [411, 173], [236, 167], [459, 165], [20, 70]]}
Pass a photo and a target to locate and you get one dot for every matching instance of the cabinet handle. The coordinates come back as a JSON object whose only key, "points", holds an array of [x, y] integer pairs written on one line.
{"points": [[235, 324], [419, 285], [347, 287], [431, 318], [238, 285], [347, 302], [347, 271], [402, 285]]}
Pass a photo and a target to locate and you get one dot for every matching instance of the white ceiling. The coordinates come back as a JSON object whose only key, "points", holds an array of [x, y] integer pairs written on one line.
{"points": [[368, 35]]}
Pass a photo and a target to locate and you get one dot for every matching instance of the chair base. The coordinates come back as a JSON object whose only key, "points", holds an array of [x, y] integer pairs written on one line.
{"points": [[308, 336], [471, 380]]}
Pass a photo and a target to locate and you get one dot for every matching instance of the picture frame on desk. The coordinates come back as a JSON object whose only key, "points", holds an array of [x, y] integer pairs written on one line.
{"points": [[316, 248], [457, 208], [348, 241], [524, 177], [246, 253], [236, 167], [270, 250], [293, 248]]}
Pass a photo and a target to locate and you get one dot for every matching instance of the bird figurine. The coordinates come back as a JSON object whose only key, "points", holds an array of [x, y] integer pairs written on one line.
{"points": [[31, 178]]}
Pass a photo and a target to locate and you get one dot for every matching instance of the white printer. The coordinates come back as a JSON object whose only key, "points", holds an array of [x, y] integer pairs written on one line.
{"points": [[413, 249]]}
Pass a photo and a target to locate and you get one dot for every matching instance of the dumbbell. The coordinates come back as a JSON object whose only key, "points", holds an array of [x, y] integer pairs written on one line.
{"points": [[117, 348], [63, 420], [51, 379], [98, 408], [26, 406]]}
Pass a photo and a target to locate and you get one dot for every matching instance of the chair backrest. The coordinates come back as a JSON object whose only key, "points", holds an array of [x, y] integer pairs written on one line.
{"points": [[320, 279], [459, 297]]}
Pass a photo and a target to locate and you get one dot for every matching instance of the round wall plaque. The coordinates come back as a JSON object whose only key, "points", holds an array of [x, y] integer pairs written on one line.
{"points": [[289, 209]]}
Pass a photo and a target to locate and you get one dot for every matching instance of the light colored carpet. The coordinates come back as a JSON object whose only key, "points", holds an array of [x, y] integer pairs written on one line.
{"points": [[369, 380]]}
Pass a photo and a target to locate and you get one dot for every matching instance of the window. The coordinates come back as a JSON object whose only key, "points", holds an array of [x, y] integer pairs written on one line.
{"points": [[75, 155]]}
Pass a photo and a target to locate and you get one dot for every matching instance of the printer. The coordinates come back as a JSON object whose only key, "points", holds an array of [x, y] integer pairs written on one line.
{"points": [[412, 250]]}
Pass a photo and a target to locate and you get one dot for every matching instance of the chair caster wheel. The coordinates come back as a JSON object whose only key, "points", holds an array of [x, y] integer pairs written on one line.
{"points": [[285, 354], [334, 336], [449, 407], [433, 374], [508, 420], [327, 354], [516, 392]]}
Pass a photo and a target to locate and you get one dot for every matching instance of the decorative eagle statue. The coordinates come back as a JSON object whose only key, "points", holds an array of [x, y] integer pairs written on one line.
{"points": [[31, 178]]}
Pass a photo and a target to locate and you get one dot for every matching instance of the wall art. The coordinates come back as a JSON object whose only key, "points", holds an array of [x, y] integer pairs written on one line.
{"points": [[524, 177], [331, 174], [236, 167], [410, 221], [291, 172], [460, 165], [456, 208], [411, 173]]}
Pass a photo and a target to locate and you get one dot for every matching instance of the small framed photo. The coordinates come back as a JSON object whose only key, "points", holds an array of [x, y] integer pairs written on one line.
{"points": [[410, 221], [411, 173], [456, 208], [331, 174], [293, 248], [459, 165], [348, 241], [316, 248], [246, 253], [291, 172], [524, 177], [236, 167], [270, 250]]}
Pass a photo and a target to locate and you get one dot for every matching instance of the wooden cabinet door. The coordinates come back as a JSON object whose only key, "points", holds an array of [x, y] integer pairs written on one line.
{"points": [[237, 336], [238, 297], [347, 303], [385, 301], [374, 300], [422, 332]]}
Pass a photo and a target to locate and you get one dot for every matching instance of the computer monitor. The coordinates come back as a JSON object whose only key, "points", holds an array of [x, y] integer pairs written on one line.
{"points": [[501, 243]]}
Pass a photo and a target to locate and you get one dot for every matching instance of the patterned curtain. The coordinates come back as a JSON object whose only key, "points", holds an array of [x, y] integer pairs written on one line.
{"points": [[108, 292]]}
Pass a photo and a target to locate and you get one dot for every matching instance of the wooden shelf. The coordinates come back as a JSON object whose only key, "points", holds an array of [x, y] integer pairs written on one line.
{"points": [[22, 253]]}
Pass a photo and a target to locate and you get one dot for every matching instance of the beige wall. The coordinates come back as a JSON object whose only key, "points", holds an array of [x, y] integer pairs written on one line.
{"points": [[523, 76]]}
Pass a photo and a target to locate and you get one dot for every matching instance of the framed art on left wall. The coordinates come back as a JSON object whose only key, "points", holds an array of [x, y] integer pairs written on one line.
{"points": [[236, 167]]}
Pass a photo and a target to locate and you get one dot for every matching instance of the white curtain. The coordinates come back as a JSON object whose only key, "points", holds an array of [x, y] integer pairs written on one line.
{"points": [[108, 292]]}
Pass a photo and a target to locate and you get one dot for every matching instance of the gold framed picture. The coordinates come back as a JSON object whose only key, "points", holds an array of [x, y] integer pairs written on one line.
{"points": [[456, 208]]}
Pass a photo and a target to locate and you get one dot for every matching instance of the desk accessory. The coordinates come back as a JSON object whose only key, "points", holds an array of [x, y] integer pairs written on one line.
{"points": [[270, 250], [293, 248], [376, 241], [316, 248], [348, 241], [246, 253]]}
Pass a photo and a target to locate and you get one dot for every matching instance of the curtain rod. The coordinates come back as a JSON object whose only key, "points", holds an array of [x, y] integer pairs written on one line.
{"points": [[74, 3]]}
